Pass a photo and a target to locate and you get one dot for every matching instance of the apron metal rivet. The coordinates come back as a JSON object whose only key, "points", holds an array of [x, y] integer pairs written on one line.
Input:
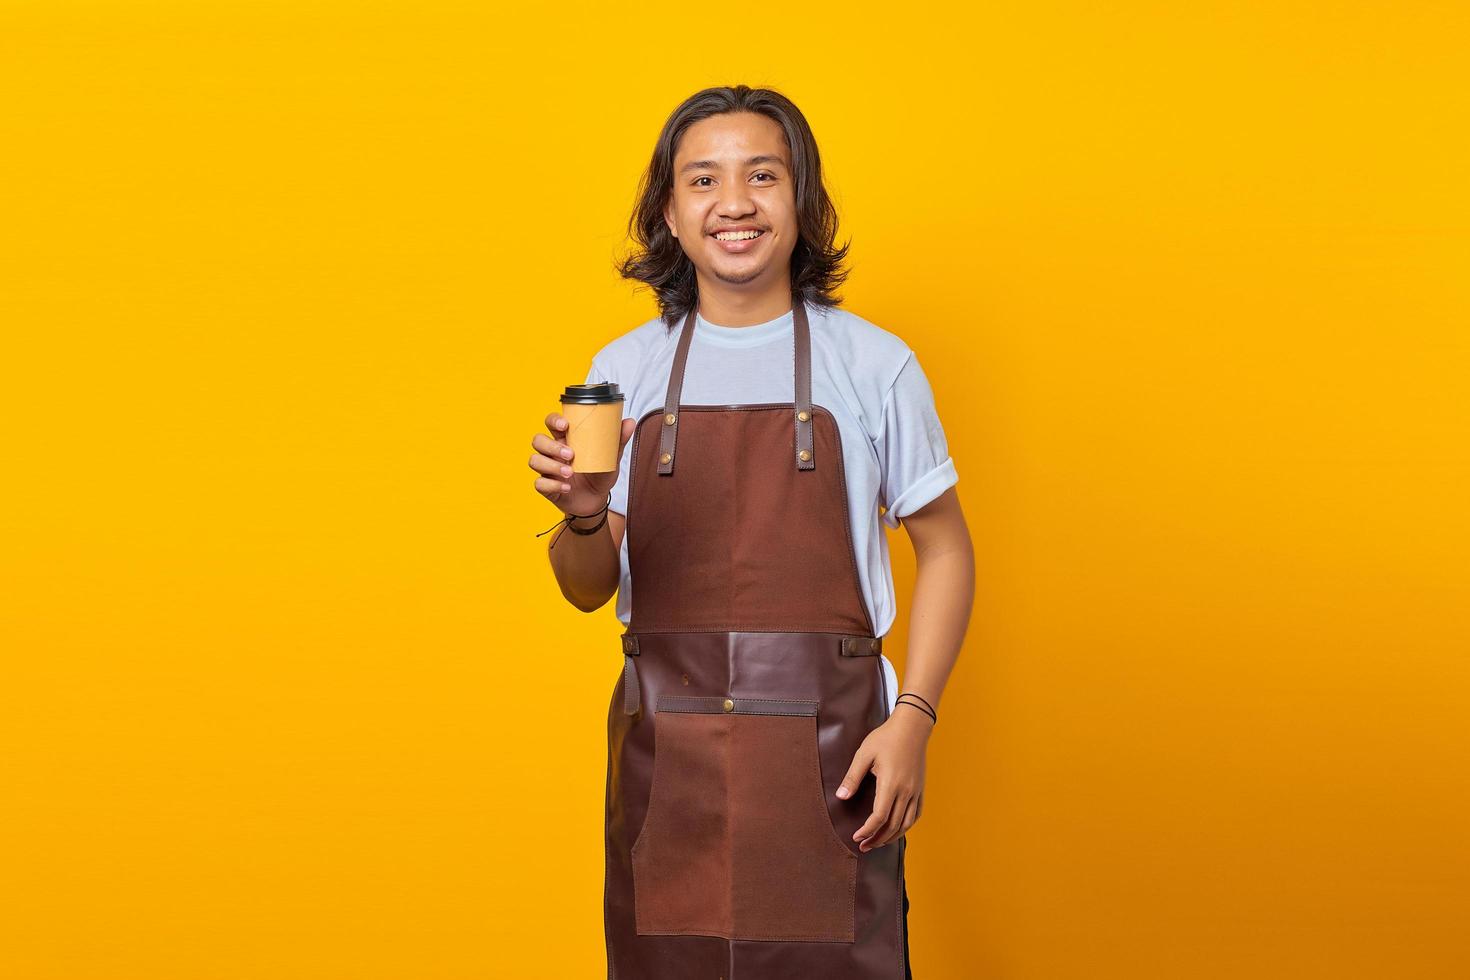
{"points": [[729, 705], [670, 419], [804, 416], [666, 458], [805, 455]]}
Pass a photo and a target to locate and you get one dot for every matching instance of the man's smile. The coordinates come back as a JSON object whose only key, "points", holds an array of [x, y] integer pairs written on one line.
{"points": [[738, 239]]}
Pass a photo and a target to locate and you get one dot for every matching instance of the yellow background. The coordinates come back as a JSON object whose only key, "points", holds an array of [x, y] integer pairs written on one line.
{"points": [[289, 692]]}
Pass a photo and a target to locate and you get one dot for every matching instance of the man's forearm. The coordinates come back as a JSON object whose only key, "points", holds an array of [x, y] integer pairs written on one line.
{"points": [[586, 565], [944, 590]]}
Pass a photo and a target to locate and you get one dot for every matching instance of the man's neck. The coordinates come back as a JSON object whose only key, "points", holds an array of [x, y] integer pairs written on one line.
{"points": [[729, 307]]}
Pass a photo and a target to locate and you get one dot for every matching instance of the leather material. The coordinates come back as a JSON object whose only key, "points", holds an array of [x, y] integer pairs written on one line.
{"points": [[802, 341], [631, 689], [852, 700], [739, 706], [804, 450], [737, 841], [749, 657], [669, 417], [735, 538]]}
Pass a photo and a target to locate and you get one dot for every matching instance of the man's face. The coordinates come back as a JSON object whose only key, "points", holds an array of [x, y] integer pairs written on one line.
{"points": [[732, 172]]}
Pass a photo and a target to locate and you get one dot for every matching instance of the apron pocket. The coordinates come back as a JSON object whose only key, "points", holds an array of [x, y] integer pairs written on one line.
{"points": [[737, 841]]}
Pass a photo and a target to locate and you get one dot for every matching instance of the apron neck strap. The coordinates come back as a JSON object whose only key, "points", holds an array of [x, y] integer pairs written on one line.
{"points": [[805, 453]]}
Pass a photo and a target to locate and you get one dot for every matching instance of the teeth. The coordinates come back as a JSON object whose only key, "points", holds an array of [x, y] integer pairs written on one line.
{"points": [[735, 236]]}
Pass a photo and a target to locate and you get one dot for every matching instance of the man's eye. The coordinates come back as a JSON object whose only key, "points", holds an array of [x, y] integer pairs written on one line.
{"points": [[698, 179], [764, 174]]}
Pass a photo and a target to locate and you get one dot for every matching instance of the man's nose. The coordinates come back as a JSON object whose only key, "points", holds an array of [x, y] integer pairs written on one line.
{"points": [[735, 200]]}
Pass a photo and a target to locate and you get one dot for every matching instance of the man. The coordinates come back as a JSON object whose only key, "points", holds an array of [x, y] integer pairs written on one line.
{"points": [[760, 758]]}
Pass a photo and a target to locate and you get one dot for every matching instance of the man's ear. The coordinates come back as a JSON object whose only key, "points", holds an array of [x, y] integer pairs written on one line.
{"points": [[669, 220]]}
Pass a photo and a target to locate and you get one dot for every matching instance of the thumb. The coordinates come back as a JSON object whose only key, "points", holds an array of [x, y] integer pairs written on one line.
{"points": [[855, 773], [626, 433]]}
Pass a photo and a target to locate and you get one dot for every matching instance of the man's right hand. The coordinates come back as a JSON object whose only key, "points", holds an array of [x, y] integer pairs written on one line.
{"points": [[572, 493]]}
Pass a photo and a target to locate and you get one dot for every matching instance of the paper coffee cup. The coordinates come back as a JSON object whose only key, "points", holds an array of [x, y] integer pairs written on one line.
{"points": [[594, 414]]}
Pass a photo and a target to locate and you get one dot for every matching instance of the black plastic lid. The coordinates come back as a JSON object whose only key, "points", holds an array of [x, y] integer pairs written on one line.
{"points": [[598, 393]]}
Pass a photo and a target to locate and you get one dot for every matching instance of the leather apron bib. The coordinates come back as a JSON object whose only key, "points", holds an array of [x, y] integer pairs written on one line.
{"points": [[751, 676]]}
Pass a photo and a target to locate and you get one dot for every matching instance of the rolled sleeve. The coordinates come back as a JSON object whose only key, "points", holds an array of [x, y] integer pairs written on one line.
{"points": [[929, 486], [912, 449]]}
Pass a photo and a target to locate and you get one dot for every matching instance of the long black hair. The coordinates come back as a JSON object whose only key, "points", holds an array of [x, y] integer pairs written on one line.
{"points": [[658, 259]]}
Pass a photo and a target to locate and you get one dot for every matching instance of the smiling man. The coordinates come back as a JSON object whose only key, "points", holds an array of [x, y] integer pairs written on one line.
{"points": [[764, 765], [728, 139]]}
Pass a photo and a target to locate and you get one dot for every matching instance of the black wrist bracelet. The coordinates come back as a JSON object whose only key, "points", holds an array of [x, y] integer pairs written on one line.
{"points": [[924, 706], [925, 710], [577, 530], [591, 530], [911, 694]]}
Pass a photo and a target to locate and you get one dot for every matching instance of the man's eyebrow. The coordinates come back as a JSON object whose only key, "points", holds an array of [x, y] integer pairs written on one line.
{"points": [[715, 164]]}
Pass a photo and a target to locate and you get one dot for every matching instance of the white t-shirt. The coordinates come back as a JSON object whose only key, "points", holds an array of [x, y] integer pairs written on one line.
{"points": [[894, 452]]}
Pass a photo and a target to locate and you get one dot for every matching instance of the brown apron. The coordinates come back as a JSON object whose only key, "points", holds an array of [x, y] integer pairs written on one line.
{"points": [[751, 676]]}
